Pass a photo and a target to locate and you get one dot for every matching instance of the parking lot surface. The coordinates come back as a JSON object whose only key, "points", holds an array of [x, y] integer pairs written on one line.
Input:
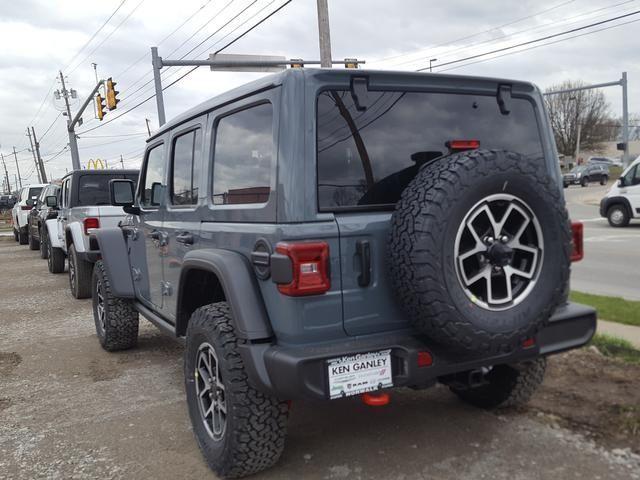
{"points": [[612, 257], [68, 409]]}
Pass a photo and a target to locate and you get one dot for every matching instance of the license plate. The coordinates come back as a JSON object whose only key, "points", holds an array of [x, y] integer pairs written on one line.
{"points": [[355, 374]]}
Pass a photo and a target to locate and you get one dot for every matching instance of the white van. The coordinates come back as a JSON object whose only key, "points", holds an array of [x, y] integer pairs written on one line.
{"points": [[622, 201]]}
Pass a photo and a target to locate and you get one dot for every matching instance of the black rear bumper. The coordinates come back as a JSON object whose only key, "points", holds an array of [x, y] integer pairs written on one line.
{"points": [[301, 372]]}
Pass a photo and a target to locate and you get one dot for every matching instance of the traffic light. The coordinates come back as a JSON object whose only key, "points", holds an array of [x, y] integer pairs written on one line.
{"points": [[112, 94], [100, 107]]}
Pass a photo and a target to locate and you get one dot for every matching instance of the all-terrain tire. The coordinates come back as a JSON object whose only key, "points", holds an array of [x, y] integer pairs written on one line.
{"points": [[55, 259], [255, 426], [79, 274], [116, 318], [15, 234], [604, 180], [33, 243], [584, 182], [422, 257], [507, 385], [618, 216], [23, 236], [44, 248]]}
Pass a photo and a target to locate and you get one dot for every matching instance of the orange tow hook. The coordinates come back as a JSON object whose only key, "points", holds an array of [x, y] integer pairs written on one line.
{"points": [[375, 399]]}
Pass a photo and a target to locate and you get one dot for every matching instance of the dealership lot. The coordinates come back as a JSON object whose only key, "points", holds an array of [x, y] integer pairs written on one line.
{"points": [[68, 409]]}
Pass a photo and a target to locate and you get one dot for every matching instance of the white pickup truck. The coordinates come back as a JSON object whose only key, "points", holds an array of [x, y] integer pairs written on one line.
{"points": [[83, 203]]}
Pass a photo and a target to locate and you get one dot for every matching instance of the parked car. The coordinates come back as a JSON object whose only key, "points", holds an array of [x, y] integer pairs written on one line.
{"points": [[20, 211], [6, 202], [319, 234], [39, 214], [622, 201], [583, 175], [83, 206], [611, 162]]}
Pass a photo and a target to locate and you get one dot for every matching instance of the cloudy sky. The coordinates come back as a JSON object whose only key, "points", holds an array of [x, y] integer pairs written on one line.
{"points": [[40, 37]]}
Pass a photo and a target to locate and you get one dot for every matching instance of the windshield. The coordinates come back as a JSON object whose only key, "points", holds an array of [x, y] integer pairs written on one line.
{"points": [[94, 189], [578, 169], [367, 158]]}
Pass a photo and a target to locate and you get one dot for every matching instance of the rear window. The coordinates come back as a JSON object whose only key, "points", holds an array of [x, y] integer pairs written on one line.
{"points": [[34, 192], [94, 189], [367, 158]]}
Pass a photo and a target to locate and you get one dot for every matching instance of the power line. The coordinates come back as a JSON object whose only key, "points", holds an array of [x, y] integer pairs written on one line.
{"points": [[94, 34], [49, 127], [113, 136], [529, 42], [539, 46], [189, 71]]}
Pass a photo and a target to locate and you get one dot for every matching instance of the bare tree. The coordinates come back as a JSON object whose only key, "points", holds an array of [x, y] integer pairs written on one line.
{"points": [[587, 108]]}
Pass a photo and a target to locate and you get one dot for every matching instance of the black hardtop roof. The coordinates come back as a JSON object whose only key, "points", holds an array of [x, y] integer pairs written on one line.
{"points": [[102, 172], [326, 76]]}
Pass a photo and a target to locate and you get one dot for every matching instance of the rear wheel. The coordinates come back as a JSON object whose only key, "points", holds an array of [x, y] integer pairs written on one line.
{"points": [[55, 259], [604, 180], [506, 385], [23, 237], [79, 274], [584, 182], [15, 234], [44, 248], [33, 243], [618, 216], [239, 429], [116, 318]]}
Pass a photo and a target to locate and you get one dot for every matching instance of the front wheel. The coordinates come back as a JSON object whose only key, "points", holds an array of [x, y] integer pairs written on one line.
{"points": [[604, 180], [55, 259], [506, 385], [15, 234], [33, 243], [116, 318], [584, 182], [617, 216], [23, 236], [239, 429], [44, 249]]}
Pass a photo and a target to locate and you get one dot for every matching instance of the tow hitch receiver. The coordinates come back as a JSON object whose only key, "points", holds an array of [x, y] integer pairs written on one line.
{"points": [[375, 399]]}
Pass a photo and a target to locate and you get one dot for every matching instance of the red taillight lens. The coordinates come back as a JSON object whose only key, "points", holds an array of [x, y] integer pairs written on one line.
{"points": [[529, 342], [90, 222], [577, 244], [310, 268], [463, 144], [425, 359], [25, 207]]}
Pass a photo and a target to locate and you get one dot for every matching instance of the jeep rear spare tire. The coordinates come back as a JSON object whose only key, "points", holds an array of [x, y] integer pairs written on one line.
{"points": [[480, 250]]}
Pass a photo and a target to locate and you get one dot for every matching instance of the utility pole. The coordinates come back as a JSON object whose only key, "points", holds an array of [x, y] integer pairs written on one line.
{"points": [[73, 143], [148, 128], [625, 120], [324, 35], [43, 174], [6, 174], [15, 178], [33, 151], [17, 167], [122, 161], [577, 154], [156, 62]]}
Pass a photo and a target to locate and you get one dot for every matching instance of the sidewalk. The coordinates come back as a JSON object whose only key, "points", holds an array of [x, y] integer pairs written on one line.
{"points": [[627, 332]]}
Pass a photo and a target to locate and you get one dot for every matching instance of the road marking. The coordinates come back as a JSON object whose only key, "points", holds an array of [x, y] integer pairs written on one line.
{"points": [[589, 220]]}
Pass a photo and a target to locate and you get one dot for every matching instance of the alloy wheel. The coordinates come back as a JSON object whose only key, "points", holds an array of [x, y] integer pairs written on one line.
{"points": [[210, 392]]}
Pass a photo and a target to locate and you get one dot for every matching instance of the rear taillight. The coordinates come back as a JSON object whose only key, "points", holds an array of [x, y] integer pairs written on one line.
{"points": [[90, 222], [459, 145], [25, 207], [577, 243], [309, 268]]}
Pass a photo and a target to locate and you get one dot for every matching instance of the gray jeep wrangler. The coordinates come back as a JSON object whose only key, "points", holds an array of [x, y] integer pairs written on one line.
{"points": [[318, 234]]}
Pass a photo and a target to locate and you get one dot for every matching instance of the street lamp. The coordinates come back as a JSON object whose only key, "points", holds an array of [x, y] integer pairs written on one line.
{"points": [[431, 63]]}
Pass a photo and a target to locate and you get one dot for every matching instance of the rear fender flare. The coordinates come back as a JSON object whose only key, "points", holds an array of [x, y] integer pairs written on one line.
{"points": [[240, 288], [74, 231]]}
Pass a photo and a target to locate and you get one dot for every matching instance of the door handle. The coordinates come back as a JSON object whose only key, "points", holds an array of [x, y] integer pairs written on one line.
{"points": [[363, 250], [185, 237]]}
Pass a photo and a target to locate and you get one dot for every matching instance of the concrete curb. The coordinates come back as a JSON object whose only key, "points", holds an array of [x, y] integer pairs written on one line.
{"points": [[630, 333]]}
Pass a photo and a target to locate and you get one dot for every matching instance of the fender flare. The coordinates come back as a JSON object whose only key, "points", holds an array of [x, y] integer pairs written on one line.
{"points": [[115, 258], [52, 232], [608, 202], [240, 288], [77, 235]]}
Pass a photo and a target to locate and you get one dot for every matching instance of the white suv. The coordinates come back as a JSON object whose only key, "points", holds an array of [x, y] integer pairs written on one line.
{"points": [[622, 201], [20, 212]]}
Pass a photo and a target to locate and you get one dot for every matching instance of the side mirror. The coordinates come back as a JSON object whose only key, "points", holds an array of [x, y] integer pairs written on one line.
{"points": [[122, 193], [29, 202], [621, 182], [52, 201], [156, 193]]}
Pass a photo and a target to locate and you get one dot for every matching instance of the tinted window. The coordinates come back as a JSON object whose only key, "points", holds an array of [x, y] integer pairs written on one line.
{"points": [[242, 158], [153, 178], [34, 192], [368, 157], [94, 189], [186, 168]]}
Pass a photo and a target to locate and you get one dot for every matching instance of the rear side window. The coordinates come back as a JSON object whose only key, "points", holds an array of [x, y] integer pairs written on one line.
{"points": [[242, 156], [153, 188], [186, 168], [34, 192], [367, 158]]}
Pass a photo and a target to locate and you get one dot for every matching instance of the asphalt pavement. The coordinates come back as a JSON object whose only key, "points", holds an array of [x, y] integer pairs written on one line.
{"points": [[612, 255]]}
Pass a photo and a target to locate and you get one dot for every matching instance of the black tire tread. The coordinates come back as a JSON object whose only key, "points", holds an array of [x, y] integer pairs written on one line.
{"points": [[625, 212], [122, 320], [44, 249], [261, 420], [33, 243], [509, 385], [82, 285], [55, 259], [416, 270]]}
